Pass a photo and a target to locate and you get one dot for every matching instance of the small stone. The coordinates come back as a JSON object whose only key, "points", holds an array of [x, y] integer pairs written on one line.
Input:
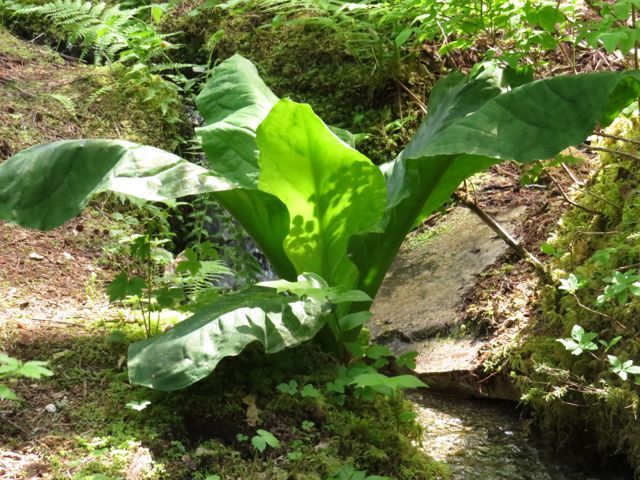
{"points": [[67, 256], [36, 256], [24, 304], [322, 445], [51, 408], [189, 462]]}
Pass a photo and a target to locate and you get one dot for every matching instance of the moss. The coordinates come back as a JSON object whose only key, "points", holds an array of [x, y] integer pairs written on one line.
{"points": [[192, 433], [573, 394], [359, 95], [45, 99]]}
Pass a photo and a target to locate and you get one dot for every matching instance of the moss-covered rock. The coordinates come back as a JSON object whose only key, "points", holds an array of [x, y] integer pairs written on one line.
{"points": [[46, 98], [574, 394], [305, 62]]}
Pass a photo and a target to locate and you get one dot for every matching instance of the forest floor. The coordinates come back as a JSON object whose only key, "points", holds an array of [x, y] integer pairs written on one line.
{"points": [[53, 307], [76, 425], [457, 293]]}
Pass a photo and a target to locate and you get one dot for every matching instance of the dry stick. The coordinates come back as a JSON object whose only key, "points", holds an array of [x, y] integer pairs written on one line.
{"points": [[53, 320], [421, 104], [572, 176], [627, 267], [608, 317], [567, 199], [611, 151], [506, 237], [616, 137], [586, 190]]}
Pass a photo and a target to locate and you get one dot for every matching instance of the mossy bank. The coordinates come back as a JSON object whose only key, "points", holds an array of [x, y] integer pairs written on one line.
{"points": [[580, 398]]}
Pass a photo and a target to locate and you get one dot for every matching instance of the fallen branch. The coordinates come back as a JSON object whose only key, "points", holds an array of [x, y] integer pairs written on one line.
{"points": [[568, 200], [506, 237], [611, 151], [616, 137], [420, 103]]}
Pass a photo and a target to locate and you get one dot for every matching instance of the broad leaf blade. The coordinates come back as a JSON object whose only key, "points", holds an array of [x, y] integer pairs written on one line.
{"points": [[532, 122], [474, 124], [266, 220], [233, 103], [331, 191], [192, 349], [46, 185]]}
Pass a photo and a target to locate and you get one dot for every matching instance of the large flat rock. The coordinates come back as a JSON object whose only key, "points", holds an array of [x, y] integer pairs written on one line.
{"points": [[422, 297], [424, 291]]}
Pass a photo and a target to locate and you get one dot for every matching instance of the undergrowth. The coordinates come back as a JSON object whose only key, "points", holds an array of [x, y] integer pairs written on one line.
{"points": [[571, 393], [103, 426], [344, 91]]}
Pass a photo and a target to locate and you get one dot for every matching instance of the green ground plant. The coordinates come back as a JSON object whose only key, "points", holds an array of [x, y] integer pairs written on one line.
{"points": [[577, 364], [320, 211], [12, 369], [207, 429], [125, 39], [386, 33]]}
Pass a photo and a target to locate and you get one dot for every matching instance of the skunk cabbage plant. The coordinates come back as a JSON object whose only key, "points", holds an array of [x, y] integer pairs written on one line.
{"points": [[328, 219]]}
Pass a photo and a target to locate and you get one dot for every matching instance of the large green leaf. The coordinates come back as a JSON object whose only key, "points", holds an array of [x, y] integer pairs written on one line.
{"points": [[331, 191], [266, 220], [191, 350], [473, 124], [46, 185], [233, 103]]}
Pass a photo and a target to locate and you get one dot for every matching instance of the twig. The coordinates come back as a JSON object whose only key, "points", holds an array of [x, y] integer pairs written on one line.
{"points": [[604, 315], [15, 425], [612, 232], [24, 92], [575, 179], [55, 321], [586, 190], [627, 267], [568, 200], [616, 137], [421, 104], [609, 150], [506, 237]]}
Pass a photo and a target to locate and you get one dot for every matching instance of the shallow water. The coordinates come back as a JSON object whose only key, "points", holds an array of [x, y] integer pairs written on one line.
{"points": [[484, 440]]}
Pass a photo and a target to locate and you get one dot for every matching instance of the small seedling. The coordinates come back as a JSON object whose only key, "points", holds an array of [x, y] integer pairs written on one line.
{"points": [[138, 406], [623, 369], [579, 341], [621, 285], [571, 284], [309, 391], [290, 388], [262, 439]]}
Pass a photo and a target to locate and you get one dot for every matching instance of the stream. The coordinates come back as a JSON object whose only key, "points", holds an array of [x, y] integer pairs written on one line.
{"points": [[421, 302], [487, 440]]}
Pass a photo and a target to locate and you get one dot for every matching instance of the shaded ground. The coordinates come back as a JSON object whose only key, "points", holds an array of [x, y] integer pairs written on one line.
{"points": [[456, 291], [76, 425], [50, 278]]}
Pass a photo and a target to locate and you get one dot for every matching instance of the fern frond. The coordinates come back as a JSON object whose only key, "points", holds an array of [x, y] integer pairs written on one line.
{"points": [[98, 28]]}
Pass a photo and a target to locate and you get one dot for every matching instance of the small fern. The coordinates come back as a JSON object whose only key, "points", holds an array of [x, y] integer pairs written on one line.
{"points": [[106, 32], [207, 278], [95, 96], [66, 102]]}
